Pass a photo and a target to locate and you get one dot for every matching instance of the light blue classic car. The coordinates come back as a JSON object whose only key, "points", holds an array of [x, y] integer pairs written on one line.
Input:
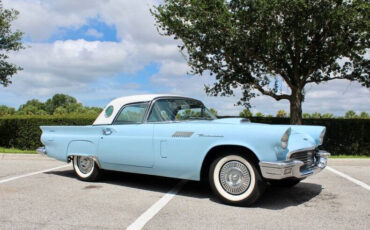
{"points": [[175, 136]]}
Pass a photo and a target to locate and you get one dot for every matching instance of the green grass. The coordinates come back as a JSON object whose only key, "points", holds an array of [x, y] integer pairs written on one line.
{"points": [[13, 150], [348, 156]]}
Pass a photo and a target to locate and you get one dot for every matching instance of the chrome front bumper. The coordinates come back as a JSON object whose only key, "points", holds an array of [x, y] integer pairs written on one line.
{"points": [[41, 151], [291, 168]]}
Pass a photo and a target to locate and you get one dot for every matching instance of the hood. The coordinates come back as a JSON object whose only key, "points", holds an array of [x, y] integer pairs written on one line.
{"points": [[309, 133]]}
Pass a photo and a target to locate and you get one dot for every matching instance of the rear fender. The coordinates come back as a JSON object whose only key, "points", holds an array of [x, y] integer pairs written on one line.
{"points": [[82, 148]]}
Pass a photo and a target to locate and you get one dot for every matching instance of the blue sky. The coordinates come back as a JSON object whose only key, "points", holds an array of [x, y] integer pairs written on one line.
{"points": [[94, 30], [98, 50]]}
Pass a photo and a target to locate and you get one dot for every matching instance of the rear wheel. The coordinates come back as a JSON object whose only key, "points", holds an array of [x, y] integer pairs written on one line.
{"points": [[86, 168], [235, 179]]}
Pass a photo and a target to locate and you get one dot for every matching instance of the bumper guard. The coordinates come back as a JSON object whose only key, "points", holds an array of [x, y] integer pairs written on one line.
{"points": [[291, 168]]}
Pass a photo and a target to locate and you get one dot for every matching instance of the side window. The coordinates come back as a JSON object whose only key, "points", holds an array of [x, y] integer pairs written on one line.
{"points": [[132, 114], [179, 109], [161, 111]]}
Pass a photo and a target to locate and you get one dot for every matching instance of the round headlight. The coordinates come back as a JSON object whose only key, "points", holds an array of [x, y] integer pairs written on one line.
{"points": [[285, 138]]}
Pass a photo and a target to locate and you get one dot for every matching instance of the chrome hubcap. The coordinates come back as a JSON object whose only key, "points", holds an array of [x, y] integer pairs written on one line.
{"points": [[235, 177], [85, 164]]}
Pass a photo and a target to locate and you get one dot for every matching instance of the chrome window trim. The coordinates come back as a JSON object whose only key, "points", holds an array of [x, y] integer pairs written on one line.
{"points": [[124, 106]]}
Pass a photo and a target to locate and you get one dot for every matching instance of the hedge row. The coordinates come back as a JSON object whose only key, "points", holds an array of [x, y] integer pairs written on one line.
{"points": [[23, 132], [343, 136]]}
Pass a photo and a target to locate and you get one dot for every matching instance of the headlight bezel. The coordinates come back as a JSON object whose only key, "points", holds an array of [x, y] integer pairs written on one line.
{"points": [[322, 135], [285, 138]]}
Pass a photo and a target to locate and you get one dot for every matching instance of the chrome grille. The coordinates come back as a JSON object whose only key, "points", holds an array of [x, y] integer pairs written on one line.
{"points": [[307, 157]]}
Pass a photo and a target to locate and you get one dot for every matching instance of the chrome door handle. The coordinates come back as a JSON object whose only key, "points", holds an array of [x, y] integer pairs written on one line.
{"points": [[107, 131]]}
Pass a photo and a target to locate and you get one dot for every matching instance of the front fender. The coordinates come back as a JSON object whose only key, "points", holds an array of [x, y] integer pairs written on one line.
{"points": [[233, 143], [266, 152]]}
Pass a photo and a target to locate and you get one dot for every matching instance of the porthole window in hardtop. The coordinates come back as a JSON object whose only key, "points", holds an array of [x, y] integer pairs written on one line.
{"points": [[109, 111]]}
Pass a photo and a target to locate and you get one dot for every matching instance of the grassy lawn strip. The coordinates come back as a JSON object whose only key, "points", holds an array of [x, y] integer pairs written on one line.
{"points": [[13, 150]]}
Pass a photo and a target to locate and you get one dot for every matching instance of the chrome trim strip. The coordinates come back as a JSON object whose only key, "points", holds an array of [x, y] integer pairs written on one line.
{"points": [[291, 168], [182, 134], [206, 135]]}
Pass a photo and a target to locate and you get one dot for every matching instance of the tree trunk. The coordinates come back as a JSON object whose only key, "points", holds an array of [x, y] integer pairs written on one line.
{"points": [[296, 107]]}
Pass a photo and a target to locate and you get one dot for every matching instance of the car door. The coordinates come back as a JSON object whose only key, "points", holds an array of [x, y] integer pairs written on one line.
{"points": [[128, 141]]}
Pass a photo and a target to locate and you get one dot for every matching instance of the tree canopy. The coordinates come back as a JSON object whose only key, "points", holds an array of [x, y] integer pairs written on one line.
{"points": [[59, 104], [9, 41], [263, 45]]}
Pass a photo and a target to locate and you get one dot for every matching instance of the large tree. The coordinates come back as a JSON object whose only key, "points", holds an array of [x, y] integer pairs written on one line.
{"points": [[262, 45], [9, 41]]}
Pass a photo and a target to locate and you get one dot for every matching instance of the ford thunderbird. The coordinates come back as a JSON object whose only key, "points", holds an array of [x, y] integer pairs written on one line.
{"points": [[175, 136]]}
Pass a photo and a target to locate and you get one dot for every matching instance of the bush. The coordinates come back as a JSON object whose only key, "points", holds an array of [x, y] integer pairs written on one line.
{"points": [[23, 132], [343, 136]]}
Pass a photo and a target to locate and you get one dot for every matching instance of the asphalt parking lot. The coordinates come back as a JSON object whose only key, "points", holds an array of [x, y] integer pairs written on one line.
{"points": [[32, 198]]}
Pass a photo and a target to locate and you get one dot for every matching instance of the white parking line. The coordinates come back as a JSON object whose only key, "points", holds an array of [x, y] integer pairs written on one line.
{"points": [[362, 184], [155, 208], [31, 174]]}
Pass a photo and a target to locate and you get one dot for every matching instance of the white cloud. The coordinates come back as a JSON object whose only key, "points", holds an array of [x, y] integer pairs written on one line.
{"points": [[73, 66], [41, 19], [77, 60], [173, 75], [94, 33], [336, 97]]}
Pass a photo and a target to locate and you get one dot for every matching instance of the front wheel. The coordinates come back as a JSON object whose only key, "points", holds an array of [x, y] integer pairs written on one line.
{"points": [[85, 168], [235, 180]]}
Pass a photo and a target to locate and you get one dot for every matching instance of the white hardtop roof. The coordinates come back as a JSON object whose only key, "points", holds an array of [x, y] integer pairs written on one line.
{"points": [[139, 98], [121, 101]]}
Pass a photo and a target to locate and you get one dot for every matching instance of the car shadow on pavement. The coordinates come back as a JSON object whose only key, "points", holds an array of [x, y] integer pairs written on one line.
{"points": [[274, 198], [138, 181]]}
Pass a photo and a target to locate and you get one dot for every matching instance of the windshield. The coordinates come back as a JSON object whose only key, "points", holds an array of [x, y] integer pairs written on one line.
{"points": [[179, 110]]}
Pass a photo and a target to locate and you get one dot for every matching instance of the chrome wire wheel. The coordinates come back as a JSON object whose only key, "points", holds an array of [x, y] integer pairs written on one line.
{"points": [[85, 164], [85, 168], [235, 177]]}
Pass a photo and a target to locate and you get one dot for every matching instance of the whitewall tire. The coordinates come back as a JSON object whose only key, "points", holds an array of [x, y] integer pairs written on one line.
{"points": [[86, 168], [235, 179]]}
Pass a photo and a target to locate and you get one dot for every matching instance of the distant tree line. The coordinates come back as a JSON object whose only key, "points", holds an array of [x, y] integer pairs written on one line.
{"points": [[350, 114], [57, 105], [61, 104]]}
